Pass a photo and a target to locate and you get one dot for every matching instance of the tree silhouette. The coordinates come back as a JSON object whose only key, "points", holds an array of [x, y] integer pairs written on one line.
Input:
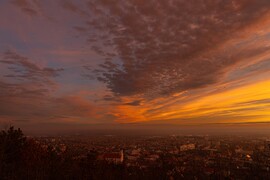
{"points": [[12, 143]]}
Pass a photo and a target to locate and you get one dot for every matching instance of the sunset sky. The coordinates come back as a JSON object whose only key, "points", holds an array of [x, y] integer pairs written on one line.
{"points": [[110, 63]]}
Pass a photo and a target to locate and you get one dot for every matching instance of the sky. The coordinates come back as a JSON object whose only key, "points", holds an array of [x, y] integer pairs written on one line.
{"points": [[78, 64]]}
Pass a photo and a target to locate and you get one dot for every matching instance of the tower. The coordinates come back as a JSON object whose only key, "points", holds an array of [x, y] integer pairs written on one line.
{"points": [[122, 155]]}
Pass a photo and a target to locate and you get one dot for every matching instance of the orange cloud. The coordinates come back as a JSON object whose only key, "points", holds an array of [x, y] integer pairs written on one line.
{"points": [[250, 103]]}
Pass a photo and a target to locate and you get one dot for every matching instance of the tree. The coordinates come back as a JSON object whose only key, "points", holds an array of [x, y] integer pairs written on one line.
{"points": [[12, 143]]}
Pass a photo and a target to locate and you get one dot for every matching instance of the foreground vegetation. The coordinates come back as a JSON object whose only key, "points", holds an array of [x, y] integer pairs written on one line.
{"points": [[24, 158]]}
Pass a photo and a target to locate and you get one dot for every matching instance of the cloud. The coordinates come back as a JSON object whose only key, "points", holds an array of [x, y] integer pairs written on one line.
{"points": [[27, 6], [256, 102], [134, 103], [71, 7], [135, 61], [167, 47], [111, 98], [248, 103], [29, 94], [22, 68], [25, 87], [31, 97], [42, 106]]}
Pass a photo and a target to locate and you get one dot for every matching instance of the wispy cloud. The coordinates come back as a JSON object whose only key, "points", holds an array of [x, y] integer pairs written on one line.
{"points": [[27, 6], [22, 68]]}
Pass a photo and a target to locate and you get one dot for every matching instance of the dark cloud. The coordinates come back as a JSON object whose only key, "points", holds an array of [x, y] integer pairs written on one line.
{"points": [[23, 69], [69, 6], [256, 102], [22, 90], [165, 47], [134, 103], [26, 6], [25, 90], [112, 98], [40, 106], [27, 93], [20, 101], [72, 7], [80, 29]]}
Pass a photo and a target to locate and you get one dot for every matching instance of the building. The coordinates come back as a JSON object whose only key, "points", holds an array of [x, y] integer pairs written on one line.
{"points": [[186, 147], [116, 158]]}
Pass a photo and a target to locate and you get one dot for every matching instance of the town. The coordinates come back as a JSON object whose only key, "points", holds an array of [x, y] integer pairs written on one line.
{"points": [[179, 157]]}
